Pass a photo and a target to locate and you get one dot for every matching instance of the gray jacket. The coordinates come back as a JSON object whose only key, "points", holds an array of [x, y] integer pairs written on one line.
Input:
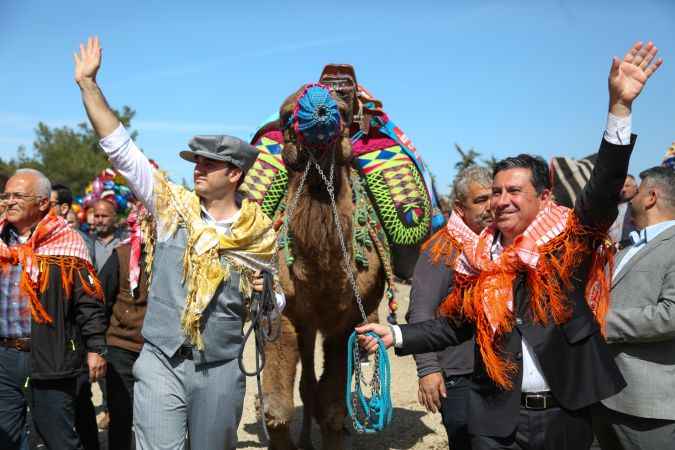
{"points": [[431, 284], [222, 321], [641, 330]]}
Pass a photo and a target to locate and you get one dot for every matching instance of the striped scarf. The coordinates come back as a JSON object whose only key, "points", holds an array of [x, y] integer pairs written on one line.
{"points": [[548, 252], [53, 242]]}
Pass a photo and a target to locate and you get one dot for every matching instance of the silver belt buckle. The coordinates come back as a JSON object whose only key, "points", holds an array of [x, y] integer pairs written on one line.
{"points": [[537, 397]]}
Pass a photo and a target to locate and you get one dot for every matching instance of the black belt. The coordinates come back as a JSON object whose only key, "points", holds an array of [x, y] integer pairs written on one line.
{"points": [[21, 344], [537, 400], [184, 351]]}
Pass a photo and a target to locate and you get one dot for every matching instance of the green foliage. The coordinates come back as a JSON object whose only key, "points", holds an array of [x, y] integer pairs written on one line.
{"points": [[467, 158], [66, 155]]}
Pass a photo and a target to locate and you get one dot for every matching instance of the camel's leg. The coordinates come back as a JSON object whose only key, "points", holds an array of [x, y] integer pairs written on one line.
{"points": [[330, 407], [278, 379], [308, 385]]}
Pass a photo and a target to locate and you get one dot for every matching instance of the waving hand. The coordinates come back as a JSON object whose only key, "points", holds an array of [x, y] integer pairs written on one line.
{"points": [[628, 76]]}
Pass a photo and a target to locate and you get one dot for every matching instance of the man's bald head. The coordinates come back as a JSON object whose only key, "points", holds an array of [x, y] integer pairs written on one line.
{"points": [[105, 218]]}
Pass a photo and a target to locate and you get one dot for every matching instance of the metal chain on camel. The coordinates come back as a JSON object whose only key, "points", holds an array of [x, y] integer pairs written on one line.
{"points": [[377, 410]]}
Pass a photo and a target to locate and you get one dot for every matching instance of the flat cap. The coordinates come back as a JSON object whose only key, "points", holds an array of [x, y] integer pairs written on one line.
{"points": [[222, 148]]}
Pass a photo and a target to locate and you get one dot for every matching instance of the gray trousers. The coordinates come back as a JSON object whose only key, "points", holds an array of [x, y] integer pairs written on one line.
{"points": [[173, 398], [618, 431]]}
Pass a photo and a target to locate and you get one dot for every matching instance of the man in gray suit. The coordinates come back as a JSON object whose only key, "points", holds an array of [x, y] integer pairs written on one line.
{"points": [[641, 325]]}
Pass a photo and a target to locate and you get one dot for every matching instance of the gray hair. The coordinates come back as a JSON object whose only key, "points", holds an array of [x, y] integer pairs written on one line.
{"points": [[471, 174], [43, 188], [662, 178]]}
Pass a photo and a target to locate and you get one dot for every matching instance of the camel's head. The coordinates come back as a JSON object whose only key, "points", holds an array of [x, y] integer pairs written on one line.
{"points": [[313, 121]]}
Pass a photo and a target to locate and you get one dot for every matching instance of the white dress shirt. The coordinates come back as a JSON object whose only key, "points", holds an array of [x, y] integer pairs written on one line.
{"points": [[640, 239], [617, 132]]}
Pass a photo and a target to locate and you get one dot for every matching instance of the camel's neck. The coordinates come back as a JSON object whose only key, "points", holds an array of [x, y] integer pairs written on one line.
{"points": [[312, 225]]}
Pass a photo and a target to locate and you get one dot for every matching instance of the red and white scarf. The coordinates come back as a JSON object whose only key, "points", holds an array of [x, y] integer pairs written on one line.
{"points": [[53, 242]]}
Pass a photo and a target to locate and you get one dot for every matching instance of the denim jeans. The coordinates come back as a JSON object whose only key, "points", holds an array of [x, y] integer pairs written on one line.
{"points": [[14, 371]]}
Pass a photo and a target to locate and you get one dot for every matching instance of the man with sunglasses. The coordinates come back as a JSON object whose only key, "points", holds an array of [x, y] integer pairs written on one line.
{"points": [[52, 320]]}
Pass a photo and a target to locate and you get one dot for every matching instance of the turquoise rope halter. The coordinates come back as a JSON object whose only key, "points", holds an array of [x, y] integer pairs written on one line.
{"points": [[369, 415]]}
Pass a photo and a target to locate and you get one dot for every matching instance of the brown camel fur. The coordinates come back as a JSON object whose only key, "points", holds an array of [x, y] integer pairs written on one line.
{"points": [[319, 298]]}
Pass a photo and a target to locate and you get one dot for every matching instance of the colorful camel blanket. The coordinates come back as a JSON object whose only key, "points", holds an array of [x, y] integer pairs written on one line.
{"points": [[396, 179]]}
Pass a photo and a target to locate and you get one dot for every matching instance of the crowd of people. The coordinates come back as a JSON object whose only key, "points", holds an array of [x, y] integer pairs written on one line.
{"points": [[532, 325]]}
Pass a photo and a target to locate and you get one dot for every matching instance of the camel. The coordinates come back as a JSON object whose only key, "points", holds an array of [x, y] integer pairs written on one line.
{"points": [[319, 296]]}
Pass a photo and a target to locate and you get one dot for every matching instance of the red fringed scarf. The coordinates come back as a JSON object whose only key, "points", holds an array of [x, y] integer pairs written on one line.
{"points": [[53, 242], [140, 230], [549, 251]]}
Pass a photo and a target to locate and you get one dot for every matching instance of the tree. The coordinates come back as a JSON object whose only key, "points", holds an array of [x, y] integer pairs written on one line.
{"points": [[467, 158], [65, 155], [491, 163]]}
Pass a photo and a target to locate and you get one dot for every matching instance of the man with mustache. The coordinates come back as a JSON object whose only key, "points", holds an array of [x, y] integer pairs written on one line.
{"points": [[532, 290], [444, 376], [208, 251]]}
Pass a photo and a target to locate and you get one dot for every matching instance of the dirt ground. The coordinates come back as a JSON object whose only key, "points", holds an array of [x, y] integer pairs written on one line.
{"points": [[411, 427]]}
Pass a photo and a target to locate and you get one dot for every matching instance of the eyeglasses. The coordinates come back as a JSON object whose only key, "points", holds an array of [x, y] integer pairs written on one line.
{"points": [[18, 196]]}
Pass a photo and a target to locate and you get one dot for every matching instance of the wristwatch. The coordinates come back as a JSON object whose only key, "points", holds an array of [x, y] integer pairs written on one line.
{"points": [[103, 351]]}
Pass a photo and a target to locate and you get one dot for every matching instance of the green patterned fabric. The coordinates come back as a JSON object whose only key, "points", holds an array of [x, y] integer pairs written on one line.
{"points": [[400, 232]]}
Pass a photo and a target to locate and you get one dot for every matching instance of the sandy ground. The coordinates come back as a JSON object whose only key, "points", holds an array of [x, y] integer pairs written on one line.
{"points": [[411, 427]]}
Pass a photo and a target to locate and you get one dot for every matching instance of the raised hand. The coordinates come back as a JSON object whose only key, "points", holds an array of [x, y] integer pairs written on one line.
{"points": [[628, 77], [88, 61]]}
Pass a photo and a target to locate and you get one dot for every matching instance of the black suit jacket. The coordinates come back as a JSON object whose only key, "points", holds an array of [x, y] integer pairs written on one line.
{"points": [[574, 357]]}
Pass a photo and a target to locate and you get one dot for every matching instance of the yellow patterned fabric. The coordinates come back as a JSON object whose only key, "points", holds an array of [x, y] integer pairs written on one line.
{"points": [[210, 253]]}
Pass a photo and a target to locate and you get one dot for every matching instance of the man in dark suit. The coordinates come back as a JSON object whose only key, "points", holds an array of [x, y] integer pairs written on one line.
{"points": [[531, 289], [444, 377]]}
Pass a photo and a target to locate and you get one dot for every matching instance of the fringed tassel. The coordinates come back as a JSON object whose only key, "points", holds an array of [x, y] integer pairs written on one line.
{"points": [[498, 368], [38, 312], [442, 247], [66, 265], [473, 296], [92, 287], [600, 279]]}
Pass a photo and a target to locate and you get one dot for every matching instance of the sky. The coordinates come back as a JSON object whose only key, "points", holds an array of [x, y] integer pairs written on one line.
{"points": [[501, 77]]}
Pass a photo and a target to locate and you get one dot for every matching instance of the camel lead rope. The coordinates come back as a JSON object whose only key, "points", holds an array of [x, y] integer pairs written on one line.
{"points": [[376, 410], [263, 309], [369, 415]]}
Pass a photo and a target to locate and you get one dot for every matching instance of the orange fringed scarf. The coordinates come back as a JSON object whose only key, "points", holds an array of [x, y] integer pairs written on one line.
{"points": [[549, 252], [445, 245], [53, 243]]}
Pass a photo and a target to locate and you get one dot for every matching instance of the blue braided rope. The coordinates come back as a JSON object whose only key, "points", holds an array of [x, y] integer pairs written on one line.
{"points": [[376, 410]]}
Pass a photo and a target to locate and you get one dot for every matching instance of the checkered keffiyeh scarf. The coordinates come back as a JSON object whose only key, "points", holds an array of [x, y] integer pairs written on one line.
{"points": [[53, 242]]}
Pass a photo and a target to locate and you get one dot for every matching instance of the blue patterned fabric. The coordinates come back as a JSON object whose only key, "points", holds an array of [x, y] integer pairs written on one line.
{"points": [[15, 319], [317, 117]]}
